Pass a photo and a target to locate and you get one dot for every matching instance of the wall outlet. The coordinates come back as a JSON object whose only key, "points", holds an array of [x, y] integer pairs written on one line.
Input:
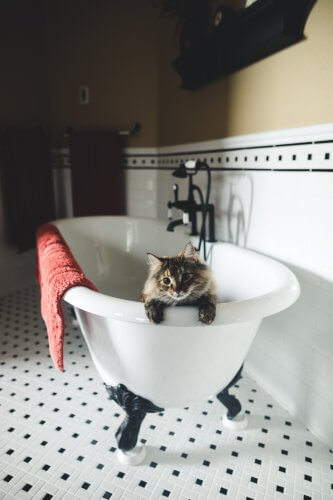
{"points": [[84, 94]]}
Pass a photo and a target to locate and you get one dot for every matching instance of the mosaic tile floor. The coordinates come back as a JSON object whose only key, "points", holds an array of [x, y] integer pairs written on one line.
{"points": [[57, 433]]}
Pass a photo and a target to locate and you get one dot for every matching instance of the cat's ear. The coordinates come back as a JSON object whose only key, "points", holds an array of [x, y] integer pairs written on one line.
{"points": [[153, 261], [190, 252]]}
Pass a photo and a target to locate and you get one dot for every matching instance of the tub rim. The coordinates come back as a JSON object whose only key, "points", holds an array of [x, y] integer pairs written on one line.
{"points": [[238, 311]]}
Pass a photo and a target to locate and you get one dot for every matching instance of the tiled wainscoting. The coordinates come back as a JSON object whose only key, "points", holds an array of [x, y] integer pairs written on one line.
{"points": [[57, 432], [273, 193]]}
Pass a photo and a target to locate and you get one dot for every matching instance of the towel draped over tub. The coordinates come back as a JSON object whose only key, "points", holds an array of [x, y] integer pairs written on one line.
{"points": [[57, 271]]}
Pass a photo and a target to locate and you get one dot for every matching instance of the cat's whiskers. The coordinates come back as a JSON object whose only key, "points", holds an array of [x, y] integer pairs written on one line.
{"points": [[180, 296], [178, 280]]}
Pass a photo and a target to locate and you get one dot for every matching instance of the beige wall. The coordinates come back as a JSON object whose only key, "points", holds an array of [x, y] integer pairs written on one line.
{"points": [[123, 51], [288, 89], [184, 115], [111, 46], [23, 86], [48, 49]]}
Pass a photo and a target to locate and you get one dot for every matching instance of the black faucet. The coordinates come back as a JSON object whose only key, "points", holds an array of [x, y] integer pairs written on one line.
{"points": [[190, 207], [172, 224]]}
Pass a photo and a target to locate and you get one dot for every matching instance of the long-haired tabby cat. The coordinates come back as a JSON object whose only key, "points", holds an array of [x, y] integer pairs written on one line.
{"points": [[179, 280]]}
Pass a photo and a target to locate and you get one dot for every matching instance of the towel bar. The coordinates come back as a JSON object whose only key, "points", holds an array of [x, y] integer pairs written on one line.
{"points": [[134, 129]]}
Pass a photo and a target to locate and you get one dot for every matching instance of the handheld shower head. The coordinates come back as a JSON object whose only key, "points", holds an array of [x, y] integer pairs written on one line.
{"points": [[190, 167], [180, 172]]}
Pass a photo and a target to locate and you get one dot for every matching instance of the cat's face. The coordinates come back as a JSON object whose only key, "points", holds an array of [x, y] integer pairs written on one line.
{"points": [[178, 278]]}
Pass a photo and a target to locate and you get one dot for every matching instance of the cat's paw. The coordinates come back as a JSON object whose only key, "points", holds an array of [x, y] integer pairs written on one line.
{"points": [[154, 312], [207, 313]]}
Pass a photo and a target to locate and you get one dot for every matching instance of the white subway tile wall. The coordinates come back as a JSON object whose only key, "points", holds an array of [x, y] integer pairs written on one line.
{"points": [[285, 213], [273, 193], [141, 193], [288, 218]]}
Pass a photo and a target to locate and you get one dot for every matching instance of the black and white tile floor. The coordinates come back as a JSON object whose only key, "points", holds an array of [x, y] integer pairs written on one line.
{"points": [[57, 433]]}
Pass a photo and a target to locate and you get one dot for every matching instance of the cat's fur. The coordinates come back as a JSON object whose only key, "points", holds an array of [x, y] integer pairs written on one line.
{"points": [[187, 280]]}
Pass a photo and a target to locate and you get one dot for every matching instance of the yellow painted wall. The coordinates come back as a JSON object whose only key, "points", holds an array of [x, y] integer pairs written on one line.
{"points": [[123, 51], [291, 88], [23, 81], [111, 46]]}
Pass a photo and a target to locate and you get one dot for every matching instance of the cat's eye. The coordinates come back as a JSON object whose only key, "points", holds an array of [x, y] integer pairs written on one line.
{"points": [[185, 276], [166, 281]]}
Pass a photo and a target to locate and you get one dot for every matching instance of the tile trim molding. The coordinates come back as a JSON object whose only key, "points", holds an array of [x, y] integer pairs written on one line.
{"points": [[303, 149]]}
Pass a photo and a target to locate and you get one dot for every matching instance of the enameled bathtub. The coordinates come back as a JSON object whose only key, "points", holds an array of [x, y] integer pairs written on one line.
{"points": [[180, 361]]}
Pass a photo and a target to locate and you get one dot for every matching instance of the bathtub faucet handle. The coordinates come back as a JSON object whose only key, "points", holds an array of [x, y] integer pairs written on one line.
{"points": [[175, 191], [175, 202]]}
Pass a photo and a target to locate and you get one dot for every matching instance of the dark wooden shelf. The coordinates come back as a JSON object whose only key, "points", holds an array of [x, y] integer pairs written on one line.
{"points": [[251, 34]]}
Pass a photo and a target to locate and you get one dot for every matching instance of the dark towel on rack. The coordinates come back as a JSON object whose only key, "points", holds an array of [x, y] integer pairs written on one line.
{"points": [[27, 184], [98, 185]]}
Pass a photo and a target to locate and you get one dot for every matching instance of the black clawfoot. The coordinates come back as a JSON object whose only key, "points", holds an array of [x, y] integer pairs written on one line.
{"points": [[230, 401], [136, 409]]}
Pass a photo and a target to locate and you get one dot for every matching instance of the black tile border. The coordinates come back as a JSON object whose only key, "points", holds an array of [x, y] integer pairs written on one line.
{"points": [[139, 159]]}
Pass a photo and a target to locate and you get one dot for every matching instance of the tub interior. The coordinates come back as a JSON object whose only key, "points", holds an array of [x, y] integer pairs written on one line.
{"points": [[112, 253]]}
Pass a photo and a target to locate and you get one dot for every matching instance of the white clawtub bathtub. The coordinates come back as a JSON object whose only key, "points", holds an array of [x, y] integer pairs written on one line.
{"points": [[180, 361]]}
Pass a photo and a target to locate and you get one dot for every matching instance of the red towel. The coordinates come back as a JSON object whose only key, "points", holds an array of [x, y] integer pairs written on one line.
{"points": [[57, 271]]}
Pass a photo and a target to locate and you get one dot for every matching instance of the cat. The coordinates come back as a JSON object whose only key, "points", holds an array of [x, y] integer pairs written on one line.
{"points": [[179, 280]]}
